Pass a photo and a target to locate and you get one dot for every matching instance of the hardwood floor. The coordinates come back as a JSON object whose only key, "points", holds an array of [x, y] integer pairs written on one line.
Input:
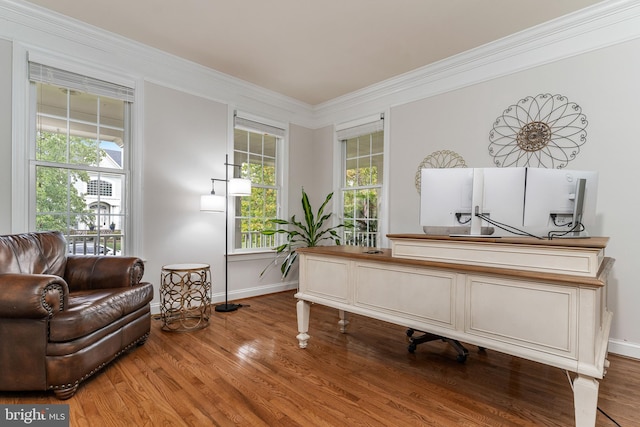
{"points": [[246, 369]]}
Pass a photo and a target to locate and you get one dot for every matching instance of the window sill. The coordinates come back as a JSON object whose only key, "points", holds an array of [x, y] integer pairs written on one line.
{"points": [[252, 255]]}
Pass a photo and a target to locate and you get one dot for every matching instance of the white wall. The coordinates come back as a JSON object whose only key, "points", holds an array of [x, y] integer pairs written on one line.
{"points": [[186, 140], [5, 136], [310, 166], [185, 145], [301, 166], [605, 84]]}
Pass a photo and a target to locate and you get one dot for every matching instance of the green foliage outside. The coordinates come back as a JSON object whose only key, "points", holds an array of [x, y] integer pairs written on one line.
{"points": [[360, 202], [59, 205], [262, 205], [360, 205]]}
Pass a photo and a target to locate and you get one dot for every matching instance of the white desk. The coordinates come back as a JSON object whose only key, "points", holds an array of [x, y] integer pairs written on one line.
{"points": [[540, 300]]}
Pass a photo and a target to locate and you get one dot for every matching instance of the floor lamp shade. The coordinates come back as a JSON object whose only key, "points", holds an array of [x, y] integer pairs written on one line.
{"points": [[239, 187], [212, 203]]}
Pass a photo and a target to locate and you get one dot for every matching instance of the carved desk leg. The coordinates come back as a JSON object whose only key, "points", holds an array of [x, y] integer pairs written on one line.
{"points": [[303, 309], [585, 400], [344, 320]]}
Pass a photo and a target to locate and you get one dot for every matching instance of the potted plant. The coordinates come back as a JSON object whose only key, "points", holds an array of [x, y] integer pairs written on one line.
{"points": [[299, 234]]}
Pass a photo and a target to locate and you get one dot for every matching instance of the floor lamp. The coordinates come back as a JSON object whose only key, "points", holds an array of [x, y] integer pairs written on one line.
{"points": [[216, 203]]}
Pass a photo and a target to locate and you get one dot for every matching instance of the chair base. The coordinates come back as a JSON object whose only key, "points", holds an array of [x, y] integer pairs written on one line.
{"points": [[427, 337]]}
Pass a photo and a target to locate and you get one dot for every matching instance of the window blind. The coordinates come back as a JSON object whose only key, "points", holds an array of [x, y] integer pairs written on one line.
{"points": [[55, 76], [254, 126], [359, 128]]}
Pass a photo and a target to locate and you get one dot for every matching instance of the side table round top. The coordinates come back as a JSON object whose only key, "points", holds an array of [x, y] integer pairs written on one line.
{"points": [[185, 267]]}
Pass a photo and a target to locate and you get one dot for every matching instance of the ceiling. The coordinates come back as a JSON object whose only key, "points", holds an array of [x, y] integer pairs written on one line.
{"points": [[314, 50]]}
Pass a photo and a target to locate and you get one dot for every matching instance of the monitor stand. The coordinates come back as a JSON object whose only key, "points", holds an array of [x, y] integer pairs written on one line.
{"points": [[484, 232], [476, 229]]}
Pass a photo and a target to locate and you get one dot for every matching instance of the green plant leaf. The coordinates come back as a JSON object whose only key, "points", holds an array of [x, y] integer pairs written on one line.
{"points": [[309, 232]]}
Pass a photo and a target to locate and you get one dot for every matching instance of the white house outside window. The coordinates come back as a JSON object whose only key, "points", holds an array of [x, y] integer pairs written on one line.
{"points": [[80, 140], [362, 181], [256, 148]]}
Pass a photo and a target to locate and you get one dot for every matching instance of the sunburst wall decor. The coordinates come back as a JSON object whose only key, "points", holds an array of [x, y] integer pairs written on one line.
{"points": [[440, 159], [541, 131]]}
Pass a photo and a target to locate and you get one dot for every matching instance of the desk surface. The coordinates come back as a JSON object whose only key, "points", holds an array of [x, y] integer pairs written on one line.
{"points": [[384, 255], [591, 242]]}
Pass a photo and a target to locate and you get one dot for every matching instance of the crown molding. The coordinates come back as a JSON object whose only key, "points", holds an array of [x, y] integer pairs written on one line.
{"points": [[601, 25], [595, 27]]}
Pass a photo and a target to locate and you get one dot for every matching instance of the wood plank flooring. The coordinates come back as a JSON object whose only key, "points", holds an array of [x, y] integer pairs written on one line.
{"points": [[246, 369]]}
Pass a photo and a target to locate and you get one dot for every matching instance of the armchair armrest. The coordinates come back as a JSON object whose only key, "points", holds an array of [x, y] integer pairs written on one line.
{"points": [[32, 296], [102, 272]]}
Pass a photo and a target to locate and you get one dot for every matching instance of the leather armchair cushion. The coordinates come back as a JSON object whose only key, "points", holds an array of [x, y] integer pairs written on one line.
{"points": [[91, 310], [33, 253]]}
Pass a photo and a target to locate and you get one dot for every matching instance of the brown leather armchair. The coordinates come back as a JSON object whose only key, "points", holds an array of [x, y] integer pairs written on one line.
{"points": [[63, 317]]}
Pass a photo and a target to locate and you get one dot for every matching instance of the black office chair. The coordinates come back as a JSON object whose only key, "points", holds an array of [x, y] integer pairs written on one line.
{"points": [[427, 337]]}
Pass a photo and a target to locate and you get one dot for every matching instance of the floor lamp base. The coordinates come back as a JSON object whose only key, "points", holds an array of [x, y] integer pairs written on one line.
{"points": [[226, 307]]}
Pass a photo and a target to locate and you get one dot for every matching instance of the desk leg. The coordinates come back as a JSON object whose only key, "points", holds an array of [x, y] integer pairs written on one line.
{"points": [[303, 309], [344, 320], [585, 400]]}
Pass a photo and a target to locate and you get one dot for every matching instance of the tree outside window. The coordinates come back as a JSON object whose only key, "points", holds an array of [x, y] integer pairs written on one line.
{"points": [[60, 206]]}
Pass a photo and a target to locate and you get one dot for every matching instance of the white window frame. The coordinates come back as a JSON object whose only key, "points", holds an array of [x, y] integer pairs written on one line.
{"points": [[282, 155], [339, 166], [22, 194]]}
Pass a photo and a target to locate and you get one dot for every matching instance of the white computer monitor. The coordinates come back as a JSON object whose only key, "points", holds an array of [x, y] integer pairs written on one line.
{"points": [[555, 201], [445, 200], [503, 193], [452, 198]]}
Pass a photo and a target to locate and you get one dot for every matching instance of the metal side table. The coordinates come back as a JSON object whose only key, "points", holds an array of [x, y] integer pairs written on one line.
{"points": [[185, 297]]}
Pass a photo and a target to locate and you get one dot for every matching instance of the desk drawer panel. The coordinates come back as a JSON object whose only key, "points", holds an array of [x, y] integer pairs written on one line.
{"points": [[532, 315], [419, 294], [326, 277]]}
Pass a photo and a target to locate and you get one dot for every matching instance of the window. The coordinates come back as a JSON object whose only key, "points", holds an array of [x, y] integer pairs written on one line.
{"points": [[80, 140], [99, 188], [362, 178], [256, 149]]}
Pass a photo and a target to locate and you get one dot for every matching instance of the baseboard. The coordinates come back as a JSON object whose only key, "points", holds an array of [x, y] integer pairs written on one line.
{"points": [[255, 291], [624, 348], [243, 293]]}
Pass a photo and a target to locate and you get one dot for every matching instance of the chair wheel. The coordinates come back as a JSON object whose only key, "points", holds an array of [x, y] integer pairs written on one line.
{"points": [[412, 347], [461, 358], [410, 332]]}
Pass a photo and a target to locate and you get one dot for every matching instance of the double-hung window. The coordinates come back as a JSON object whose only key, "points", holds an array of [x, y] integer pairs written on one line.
{"points": [[257, 148], [362, 146], [80, 139]]}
